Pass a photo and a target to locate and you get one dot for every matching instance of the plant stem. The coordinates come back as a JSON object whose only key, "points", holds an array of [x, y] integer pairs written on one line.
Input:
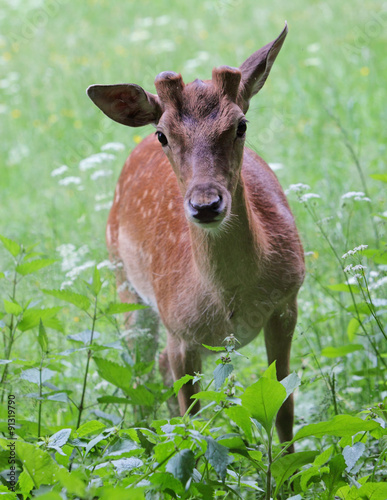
{"points": [[40, 398], [270, 461], [81, 404]]}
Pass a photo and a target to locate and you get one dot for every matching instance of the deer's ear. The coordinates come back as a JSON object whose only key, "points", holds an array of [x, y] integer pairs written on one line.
{"points": [[256, 69], [126, 103]]}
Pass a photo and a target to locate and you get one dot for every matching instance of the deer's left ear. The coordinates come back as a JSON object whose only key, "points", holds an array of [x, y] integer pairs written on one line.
{"points": [[256, 69]]}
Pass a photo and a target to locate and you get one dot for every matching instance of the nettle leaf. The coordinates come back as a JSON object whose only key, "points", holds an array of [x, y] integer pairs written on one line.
{"points": [[215, 349], [352, 328], [32, 317], [33, 375], [263, 400], [218, 456], [338, 352], [291, 382], [113, 399], [221, 372], [91, 427], [210, 395], [339, 426], [140, 395], [116, 374], [114, 419], [343, 287], [181, 465], [25, 483], [165, 481], [13, 248], [78, 300], [127, 464], [369, 491], [84, 337], [352, 454], [96, 283], [58, 440], [12, 307], [333, 478], [33, 266], [123, 308], [285, 466], [379, 177], [242, 418], [42, 337], [179, 383]]}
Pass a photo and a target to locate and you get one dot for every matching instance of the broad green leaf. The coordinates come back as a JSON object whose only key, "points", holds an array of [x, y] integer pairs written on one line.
{"points": [[343, 287], [42, 338], [123, 308], [379, 177], [37, 463], [127, 464], [165, 480], [119, 493], [215, 349], [352, 454], [10, 245], [33, 375], [291, 382], [164, 450], [51, 495], [2, 275], [96, 283], [12, 308], [113, 399], [114, 373], [285, 466], [84, 337], [180, 382], [210, 395], [352, 328], [271, 371], [90, 427], [220, 373], [368, 491], [95, 441], [60, 438], [218, 456], [340, 425], [25, 482], [140, 396], [242, 418], [32, 317], [33, 266], [113, 419], [78, 300], [263, 400], [333, 479], [338, 352], [181, 465]]}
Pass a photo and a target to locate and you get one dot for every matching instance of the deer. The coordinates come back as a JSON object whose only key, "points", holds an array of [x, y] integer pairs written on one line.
{"points": [[200, 224]]}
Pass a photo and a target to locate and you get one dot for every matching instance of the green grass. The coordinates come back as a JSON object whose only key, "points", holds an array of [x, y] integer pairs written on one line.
{"points": [[321, 115]]}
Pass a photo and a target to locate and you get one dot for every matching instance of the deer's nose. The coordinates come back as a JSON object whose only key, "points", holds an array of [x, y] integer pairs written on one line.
{"points": [[205, 211]]}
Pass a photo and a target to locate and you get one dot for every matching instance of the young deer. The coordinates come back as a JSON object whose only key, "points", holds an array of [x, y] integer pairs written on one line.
{"points": [[201, 224]]}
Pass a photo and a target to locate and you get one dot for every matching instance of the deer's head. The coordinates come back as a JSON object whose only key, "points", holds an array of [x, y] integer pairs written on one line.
{"points": [[201, 127]]}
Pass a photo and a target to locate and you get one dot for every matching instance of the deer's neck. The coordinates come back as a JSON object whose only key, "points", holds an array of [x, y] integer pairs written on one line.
{"points": [[232, 254]]}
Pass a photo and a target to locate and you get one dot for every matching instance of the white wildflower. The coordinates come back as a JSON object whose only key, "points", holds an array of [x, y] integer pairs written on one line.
{"points": [[70, 180], [94, 160], [139, 35], [162, 20], [70, 255], [308, 196], [100, 173], [113, 146], [313, 47], [381, 282], [100, 197], [76, 271], [106, 263], [59, 171], [359, 267], [357, 277], [165, 46], [297, 188], [348, 268], [365, 198], [103, 206], [355, 250], [308, 254], [352, 194], [312, 61]]}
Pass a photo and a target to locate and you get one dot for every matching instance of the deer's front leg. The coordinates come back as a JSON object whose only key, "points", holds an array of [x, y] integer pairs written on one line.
{"points": [[183, 360], [278, 338]]}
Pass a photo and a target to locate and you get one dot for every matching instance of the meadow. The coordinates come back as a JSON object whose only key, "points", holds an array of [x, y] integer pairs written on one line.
{"points": [[90, 416]]}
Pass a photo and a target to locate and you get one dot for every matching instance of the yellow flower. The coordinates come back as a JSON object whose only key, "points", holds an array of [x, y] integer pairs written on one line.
{"points": [[16, 113], [7, 56], [364, 71], [77, 124], [76, 319], [137, 139]]}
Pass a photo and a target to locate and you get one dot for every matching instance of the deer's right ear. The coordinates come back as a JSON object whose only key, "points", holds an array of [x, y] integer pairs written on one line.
{"points": [[126, 103]]}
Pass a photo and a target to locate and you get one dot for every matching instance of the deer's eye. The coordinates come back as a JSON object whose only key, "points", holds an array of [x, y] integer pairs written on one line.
{"points": [[162, 139], [241, 130]]}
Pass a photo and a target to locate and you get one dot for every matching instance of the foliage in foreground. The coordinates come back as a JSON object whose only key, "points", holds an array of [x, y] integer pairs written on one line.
{"points": [[226, 450]]}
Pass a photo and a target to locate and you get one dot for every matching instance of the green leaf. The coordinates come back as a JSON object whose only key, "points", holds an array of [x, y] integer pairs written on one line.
{"points": [[90, 427], [377, 256], [123, 308], [242, 418], [96, 283], [218, 456], [215, 349], [221, 372], [181, 465], [58, 440], [114, 373], [42, 338], [84, 337], [285, 466], [343, 287], [25, 482], [140, 396], [352, 328], [340, 426], [10, 245], [263, 400], [165, 481], [33, 266], [78, 300], [2, 275], [113, 399], [37, 463], [32, 317], [180, 382], [368, 491], [291, 382], [338, 352], [379, 177], [33, 375], [210, 395], [271, 371], [119, 493], [352, 454], [12, 308], [333, 478]]}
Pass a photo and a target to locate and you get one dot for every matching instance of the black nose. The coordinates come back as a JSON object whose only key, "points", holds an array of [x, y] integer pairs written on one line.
{"points": [[208, 211]]}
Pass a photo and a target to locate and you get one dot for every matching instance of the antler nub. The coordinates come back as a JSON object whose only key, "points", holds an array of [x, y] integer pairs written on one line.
{"points": [[227, 80], [169, 86]]}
